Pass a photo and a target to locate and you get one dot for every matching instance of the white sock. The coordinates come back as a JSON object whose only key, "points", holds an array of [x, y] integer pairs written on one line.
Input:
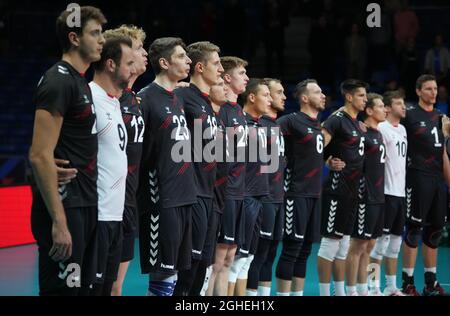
{"points": [[391, 281], [206, 281], [350, 290], [408, 271], [430, 270], [324, 289], [263, 291], [374, 284], [298, 293], [361, 288], [339, 288], [250, 292], [282, 293]]}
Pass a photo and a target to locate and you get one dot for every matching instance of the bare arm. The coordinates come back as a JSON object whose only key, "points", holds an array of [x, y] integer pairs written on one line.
{"points": [[45, 137], [327, 136]]}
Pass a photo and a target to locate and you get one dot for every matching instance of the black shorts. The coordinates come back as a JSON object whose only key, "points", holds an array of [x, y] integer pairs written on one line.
{"points": [[302, 219], [130, 225], [54, 276], [426, 199], [394, 215], [201, 213], [109, 250], [209, 249], [369, 221], [338, 215], [232, 228], [253, 217], [272, 221], [165, 239]]}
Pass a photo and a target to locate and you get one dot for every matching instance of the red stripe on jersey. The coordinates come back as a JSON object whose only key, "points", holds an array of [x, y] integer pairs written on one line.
{"points": [[166, 123], [126, 118], [420, 131], [132, 168], [354, 175], [86, 112], [380, 182], [220, 181], [312, 173], [183, 168], [278, 176], [210, 166], [351, 141], [203, 116], [431, 159], [237, 172], [92, 165], [305, 139], [372, 149]]}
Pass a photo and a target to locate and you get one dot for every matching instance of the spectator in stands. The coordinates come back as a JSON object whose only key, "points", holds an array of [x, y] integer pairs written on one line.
{"points": [[437, 60], [409, 68], [442, 101], [379, 42], [406, 25], [356, 54]]}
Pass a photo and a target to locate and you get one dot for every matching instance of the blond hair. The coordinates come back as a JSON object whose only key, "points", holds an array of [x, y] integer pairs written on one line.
{"points": [[131, 31]]}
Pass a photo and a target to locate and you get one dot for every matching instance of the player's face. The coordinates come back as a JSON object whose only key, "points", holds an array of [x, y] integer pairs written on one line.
{"points": [[428, 92], [263, 100], [91, 41], [213, 69], [127, 68], [379, 111], [359, 99], [398, 108], [278, 96], [179, 64], [316, 98], [239, 79], [140, 56], [217, 93]]}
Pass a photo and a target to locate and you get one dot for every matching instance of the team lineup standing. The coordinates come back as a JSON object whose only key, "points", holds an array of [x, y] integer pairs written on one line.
{"points": [[211, 188]]}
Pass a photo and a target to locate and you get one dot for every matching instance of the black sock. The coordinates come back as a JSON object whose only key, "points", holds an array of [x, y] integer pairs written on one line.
{"points": [[407, 280], [430, 279]]}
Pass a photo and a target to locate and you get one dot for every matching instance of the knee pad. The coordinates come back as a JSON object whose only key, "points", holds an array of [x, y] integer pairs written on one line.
{"points": [[236, 268], [328, 248], [243, 274], [432, 236], [413, 235], [300, 265], [344, 244], [304, 252], [290, 251], [379, 250], [393, 249]]}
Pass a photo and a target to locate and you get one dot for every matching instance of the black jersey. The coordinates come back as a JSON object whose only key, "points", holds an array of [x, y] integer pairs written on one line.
{"points": [[275, 143], [220, 184], [134, 123], [163, 176], [233, 117], [65, 91], [304, 152], [256, 178], [374, 160], [425, 140], [198, 109], [347, 144]]}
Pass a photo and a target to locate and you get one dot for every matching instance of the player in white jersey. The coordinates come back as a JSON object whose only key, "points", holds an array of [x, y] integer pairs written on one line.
{"points": [[112, 74], [388, 245]]}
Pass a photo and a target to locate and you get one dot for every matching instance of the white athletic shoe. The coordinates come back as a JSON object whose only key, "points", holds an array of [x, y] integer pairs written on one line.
{"points": [[375, 292], [393, 291], [353, 294]]}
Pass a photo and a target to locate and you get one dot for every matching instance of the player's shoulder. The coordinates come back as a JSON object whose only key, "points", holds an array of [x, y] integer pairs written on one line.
{"points": [[58, 75]]}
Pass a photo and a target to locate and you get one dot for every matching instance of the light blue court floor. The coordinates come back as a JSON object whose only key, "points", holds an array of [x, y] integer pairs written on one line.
{"points": [[19, 273]]}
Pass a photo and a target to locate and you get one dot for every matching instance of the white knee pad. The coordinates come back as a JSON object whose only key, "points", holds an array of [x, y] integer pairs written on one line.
{"points": [[393, 249], [328, 248], [344, 244], [243, 275], [380, 247], [236, 268]]}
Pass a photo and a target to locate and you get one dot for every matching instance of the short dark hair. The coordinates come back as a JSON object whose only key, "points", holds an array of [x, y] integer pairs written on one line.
{"points": [[389, 96], [350, 85], [112, 49], [252, 88], [231, 62], [371, 97], [424, 78], [163, 48], [302, 86], [199, 52], [87, 13]]}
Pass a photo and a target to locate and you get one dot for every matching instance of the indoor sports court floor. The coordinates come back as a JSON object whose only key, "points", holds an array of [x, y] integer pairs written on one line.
{"points": [[19, 274]]}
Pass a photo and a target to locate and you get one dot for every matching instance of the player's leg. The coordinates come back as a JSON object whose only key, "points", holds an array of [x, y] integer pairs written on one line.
{"points": [[298, 281]]}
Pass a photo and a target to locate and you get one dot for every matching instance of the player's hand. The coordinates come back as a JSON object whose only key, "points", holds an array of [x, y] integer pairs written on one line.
{"points": [[62, 243], [182, 84], [335, 164], [445, 125], [65, 175]]}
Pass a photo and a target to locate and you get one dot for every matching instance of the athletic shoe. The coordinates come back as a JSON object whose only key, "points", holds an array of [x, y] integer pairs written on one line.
{"points": [[392, 291]]}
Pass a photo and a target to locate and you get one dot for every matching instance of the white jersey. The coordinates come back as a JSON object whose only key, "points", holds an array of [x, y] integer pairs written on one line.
{"points": [[111, 156], [396, 143]]}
